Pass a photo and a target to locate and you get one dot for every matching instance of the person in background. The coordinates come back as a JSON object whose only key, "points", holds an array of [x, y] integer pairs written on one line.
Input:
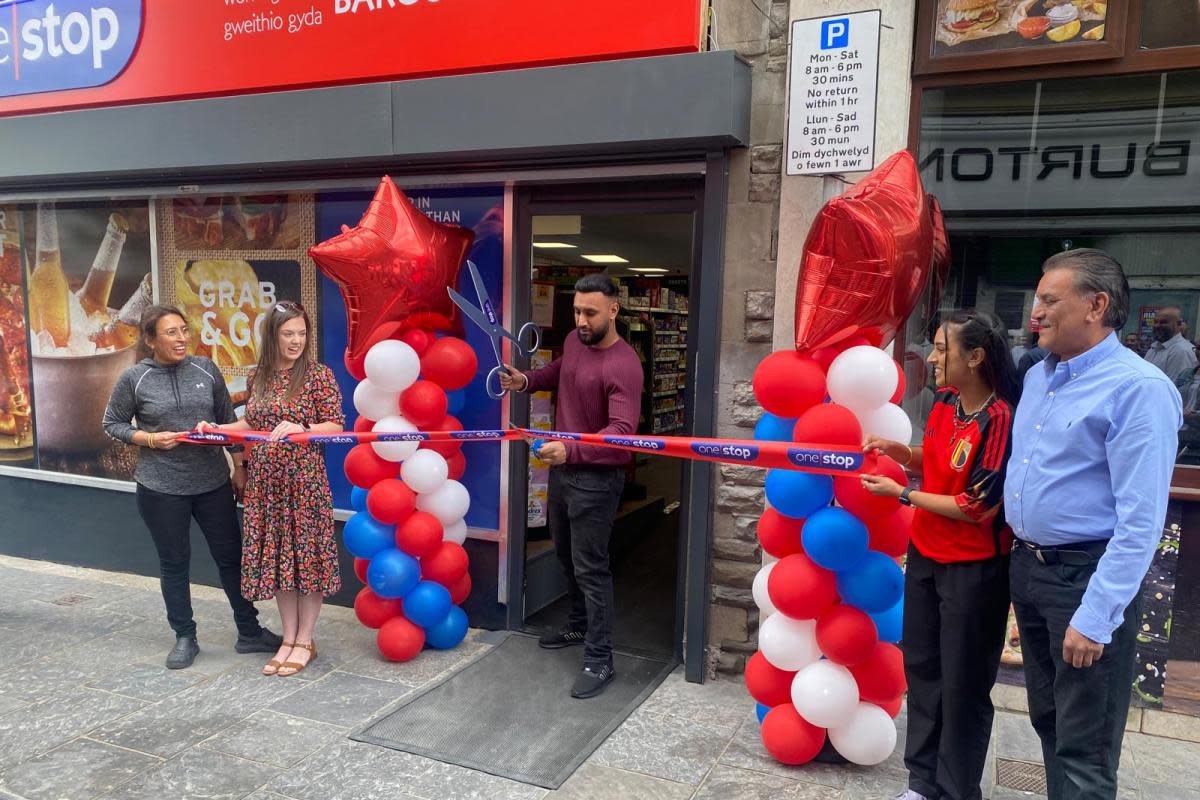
{"points": [[1171, 352], [1034, 355], [1086, 496], [598, 381], [167, 393], [1189, 435], [289, 552], [1133, 342], [956, 579]]}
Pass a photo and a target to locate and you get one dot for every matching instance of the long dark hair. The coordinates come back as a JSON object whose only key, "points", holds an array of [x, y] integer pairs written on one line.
{"points": [[984, 330], [268, 351], [149, 326]]}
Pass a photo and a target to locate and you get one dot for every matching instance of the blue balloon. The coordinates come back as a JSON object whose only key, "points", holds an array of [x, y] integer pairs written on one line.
{"points": [[393, 573], [798, 494], [761, 711], [427, 604], [455, 402], [771, 428], [365, 536], [890, 624], [449, 632], [834, 538], [873, 585], [358, 498]]}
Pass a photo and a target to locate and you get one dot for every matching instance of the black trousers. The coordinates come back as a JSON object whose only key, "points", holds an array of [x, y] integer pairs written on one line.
{"points": [[583, 503], [169, 518], [955, 617], [1079, 714]]}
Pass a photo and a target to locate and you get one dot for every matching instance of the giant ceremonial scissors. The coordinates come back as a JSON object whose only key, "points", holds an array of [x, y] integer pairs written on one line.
{"points": [[485, 317]]}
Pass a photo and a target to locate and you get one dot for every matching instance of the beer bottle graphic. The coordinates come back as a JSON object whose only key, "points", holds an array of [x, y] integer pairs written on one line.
{"points": [[98, 284], [49, 294], [123, 331]]}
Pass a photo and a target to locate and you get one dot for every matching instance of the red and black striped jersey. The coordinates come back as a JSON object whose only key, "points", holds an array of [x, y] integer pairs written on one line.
{"points": [[966, 458]]}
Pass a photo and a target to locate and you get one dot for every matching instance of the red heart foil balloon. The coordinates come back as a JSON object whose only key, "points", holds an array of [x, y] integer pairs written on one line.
{"points": [[394, 266], [867, 258]]}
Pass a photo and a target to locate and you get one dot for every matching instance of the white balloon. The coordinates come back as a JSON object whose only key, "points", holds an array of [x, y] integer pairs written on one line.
{"points": [[867, 738], [374, 402], [862, 378], [759, 590], [394, 451], [888, 421], [455, 532], [449, 502], [392, 365], [424, 471], [825, 694], [790, 644]]}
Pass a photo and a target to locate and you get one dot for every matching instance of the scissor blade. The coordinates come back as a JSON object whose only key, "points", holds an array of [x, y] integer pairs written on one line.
{"points": [[485, 300], [475, 315]]}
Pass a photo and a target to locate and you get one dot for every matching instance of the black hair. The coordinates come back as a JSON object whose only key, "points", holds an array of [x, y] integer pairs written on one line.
{"points": [[985, 330], [597, 282], [1096, 271]]}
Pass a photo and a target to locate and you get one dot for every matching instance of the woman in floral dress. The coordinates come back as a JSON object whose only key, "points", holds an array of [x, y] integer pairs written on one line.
{"points": [[288, 549]]}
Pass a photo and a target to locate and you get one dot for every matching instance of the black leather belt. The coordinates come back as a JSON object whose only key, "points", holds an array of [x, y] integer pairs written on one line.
{"points": [[1073, 554]]}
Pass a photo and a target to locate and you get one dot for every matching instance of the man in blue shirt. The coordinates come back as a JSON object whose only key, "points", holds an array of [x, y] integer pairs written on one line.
{"points": [[1086, 495]]}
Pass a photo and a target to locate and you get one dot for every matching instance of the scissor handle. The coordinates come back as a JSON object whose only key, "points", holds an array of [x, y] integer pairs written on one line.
{"points": [[531, 329], [497, 393]]}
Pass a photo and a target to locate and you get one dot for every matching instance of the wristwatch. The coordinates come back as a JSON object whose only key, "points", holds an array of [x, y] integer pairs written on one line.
{"points": [[904, 499]]}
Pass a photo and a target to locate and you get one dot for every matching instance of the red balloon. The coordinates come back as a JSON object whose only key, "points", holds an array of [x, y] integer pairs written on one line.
{"points": [[824, 356], [893, 706], [363, 425], [828, 423], [846, 635], [789, 737], [849, 492], [423, 403], [394, 267], [457, 464], [355, 366], [900, 384], [400, 640], [450, 363], [780, 535], [391, 501], [360, 568], [373, 610], [767, 683], [881, 676], [449, 448], [418, 340], [461, 589], [364, 468], [787, 384], [801, 589], [420, 535], [446, 565], [890, 534], [867, 258]]}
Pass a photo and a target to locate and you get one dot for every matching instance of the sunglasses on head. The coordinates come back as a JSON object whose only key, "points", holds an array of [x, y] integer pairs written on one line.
{"points": [[288, 305]]}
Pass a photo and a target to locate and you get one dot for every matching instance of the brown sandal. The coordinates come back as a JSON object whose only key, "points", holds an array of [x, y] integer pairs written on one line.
{"points": [[273, 665], [295, 666]]}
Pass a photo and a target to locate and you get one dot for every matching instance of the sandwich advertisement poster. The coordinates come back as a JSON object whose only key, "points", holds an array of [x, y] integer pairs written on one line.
{"points": [[989, 25]]}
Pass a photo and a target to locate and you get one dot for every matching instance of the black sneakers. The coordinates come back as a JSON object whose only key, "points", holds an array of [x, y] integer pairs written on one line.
{"points": [[567, 637], [183, 653], [264, 642], [593, 680]]}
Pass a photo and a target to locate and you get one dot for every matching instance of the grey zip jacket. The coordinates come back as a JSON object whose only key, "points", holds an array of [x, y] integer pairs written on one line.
{"points": [[172, 398]]}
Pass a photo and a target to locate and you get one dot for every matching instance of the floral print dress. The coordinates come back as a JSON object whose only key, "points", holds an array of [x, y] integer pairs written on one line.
{"points": [[287, 536]]}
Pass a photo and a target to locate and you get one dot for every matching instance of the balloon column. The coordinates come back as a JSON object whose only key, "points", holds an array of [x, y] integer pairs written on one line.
{"points": [[831, 594], [409, 527]]}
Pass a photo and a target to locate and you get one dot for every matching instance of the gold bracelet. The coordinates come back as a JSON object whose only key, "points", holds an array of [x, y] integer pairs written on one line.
{"points": [[150, 440], [910, 455]]}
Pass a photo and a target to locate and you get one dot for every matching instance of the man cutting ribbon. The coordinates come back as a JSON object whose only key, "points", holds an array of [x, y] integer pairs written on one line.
{"points": [[598, 381]]}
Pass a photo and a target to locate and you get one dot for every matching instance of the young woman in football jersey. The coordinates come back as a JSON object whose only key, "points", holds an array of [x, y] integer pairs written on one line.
{"points": [[956, 580]]}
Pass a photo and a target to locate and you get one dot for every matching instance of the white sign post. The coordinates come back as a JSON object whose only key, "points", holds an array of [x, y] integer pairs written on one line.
{"points": [[834, 84]]}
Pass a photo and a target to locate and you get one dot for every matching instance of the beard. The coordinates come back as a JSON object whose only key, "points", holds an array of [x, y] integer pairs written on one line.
{"points": [[594, 336], [1163, 335]]}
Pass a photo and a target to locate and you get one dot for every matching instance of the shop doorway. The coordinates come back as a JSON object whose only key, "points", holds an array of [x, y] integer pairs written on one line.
{"points": [[647, 240]]}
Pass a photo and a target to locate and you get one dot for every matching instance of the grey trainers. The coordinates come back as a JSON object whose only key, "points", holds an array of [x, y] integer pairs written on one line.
{"points": [[183, 653], [566, 637]]}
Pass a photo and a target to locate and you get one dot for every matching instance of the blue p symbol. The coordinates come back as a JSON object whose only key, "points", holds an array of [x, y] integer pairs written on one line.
{"points": [[835, 33]]}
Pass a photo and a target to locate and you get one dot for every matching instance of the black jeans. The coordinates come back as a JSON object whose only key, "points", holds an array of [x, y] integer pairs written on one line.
{"points": [[955, 617], [169, 518], [1079, 714], [583, 504]]}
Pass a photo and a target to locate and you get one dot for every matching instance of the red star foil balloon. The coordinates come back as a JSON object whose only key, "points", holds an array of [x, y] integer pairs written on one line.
{"points": [[393, 269], [867, 258], [941, 257]]}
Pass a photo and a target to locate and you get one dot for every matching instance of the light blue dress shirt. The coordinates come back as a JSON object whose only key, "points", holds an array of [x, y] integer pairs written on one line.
{"points": [[1094, 443]]}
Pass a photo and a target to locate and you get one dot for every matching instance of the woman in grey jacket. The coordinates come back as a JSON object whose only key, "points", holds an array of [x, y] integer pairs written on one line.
{"points": [[165, 395]]}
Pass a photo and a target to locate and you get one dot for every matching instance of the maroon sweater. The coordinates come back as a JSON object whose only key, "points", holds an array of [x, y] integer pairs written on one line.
{"points": [[599, 391]]}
